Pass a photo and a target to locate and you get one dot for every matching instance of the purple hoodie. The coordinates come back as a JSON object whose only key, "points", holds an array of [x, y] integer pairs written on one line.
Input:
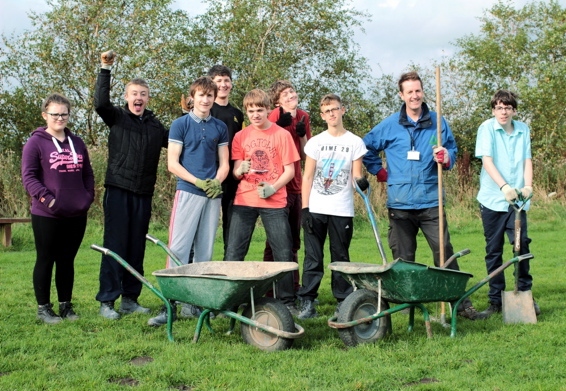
{"points": [[52, 169]]}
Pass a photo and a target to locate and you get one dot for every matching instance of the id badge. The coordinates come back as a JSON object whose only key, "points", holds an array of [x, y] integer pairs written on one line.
{"points": [[413, 155]]}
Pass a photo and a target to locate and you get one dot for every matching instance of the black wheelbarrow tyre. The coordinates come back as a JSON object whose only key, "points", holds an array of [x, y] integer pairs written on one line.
{"points": [[360, 304], [270, 312]]}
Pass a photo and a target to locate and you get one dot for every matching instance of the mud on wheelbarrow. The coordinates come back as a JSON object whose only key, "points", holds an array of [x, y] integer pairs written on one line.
{"points": [[409, 284], [223, 286]]}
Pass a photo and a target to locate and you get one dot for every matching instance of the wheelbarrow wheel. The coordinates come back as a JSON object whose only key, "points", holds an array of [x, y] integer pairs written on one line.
{"points": [[269, 312], [361, 304]]}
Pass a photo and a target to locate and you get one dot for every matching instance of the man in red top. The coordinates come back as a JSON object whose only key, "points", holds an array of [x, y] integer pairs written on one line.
{"points": [[297, 122]]}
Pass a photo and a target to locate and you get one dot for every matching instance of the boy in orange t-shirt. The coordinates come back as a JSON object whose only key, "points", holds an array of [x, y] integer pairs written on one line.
{"points": [[264, 156]]}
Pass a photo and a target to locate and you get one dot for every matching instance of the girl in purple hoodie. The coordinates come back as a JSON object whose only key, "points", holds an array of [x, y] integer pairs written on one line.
{"points": [[57, 174]]}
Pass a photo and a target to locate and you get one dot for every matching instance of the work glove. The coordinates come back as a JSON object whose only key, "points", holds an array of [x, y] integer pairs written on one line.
{"points": [[381, 175], [265, 190], [285, 119], [301, 128], [526, 192], [306, 220], [244, 168], [213, 188], [362, 183], [201, 184], [186, 104], [509, 193], [107, 59], [441, 155]]}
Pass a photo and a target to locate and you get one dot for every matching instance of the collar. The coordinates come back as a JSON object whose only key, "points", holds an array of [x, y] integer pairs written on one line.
{"points": [[198, 119], [424, 121]]}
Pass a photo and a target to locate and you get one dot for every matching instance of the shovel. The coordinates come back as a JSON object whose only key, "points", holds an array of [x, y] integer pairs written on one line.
{"points": [[517, 307]]}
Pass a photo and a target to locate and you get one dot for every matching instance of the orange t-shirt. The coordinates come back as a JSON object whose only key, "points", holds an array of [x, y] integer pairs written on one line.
{"points": [[269, 151]]}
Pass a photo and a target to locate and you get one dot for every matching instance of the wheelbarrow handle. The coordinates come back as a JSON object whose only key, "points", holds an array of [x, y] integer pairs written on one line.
{"points": [[100, 249], [459, 254], [152, 238], [525, 257], [172, 256]]}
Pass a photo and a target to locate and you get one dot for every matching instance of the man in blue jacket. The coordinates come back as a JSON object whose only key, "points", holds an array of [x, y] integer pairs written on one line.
{"points": [[409, 140]]}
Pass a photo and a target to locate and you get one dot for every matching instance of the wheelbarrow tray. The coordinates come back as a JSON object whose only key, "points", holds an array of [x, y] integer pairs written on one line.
{"points": [[406, 282], [220, 285]]}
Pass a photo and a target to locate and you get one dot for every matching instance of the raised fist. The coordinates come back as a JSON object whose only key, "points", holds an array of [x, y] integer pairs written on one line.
{"points": [[107, 58]]}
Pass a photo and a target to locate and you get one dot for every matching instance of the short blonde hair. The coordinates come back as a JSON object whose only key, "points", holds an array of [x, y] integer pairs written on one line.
{"points": [[257, 98], [326, 99]]}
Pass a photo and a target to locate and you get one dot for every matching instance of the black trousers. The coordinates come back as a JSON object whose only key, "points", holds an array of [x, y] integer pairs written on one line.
{"points": [[57, 242], [339, 230], [126, 222]]}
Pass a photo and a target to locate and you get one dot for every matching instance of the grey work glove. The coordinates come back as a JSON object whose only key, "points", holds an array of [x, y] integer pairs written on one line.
{"points": [[107, 59], [244, 168], [265, 190], [526, 192], [509, 193]]}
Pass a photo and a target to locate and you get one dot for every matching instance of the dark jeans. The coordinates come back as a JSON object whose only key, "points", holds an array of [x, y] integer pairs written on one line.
{"points": [[495, 226], [294, 207], [278, 234], [126, 222], [228, 193], [340, 230], [57, 242], [404, 225]]}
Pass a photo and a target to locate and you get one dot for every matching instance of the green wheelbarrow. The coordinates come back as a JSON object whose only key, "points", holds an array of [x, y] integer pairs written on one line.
{"points": [[223, 286], [364, 315]]}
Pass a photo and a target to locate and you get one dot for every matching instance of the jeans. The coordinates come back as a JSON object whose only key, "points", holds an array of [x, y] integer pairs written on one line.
{"points": [[340, 230], [495, 226], [276, 224]]}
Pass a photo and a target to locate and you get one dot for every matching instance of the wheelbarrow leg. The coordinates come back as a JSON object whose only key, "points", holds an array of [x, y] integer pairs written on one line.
{"points": [[203, 318]]}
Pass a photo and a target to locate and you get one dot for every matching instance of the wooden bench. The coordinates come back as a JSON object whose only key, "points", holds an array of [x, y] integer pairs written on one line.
{"points": [[6, 228]]}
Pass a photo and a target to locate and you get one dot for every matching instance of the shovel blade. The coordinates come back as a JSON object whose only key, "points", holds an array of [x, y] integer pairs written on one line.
{"points": [[518, 307]]}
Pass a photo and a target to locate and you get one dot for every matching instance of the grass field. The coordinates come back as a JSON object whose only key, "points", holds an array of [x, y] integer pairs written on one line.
{"points": [[96, 354]]}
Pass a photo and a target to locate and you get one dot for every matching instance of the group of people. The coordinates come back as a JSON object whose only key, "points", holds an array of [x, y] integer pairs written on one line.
{"points": [[224, 169]]}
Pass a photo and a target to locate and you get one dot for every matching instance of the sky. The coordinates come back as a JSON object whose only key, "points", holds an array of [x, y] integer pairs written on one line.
{"points": [[400, 32]]}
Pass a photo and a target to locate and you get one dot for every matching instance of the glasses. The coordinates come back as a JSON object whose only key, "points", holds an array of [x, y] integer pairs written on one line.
{"points": [[57, 115], [504, 108], [331, 111]]}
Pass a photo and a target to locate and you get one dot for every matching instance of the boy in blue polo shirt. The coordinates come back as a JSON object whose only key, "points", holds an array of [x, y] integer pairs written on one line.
{"points": [[197, 141], [504, 146]]}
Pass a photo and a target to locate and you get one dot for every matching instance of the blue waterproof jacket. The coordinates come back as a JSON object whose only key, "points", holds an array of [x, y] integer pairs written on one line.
{"points": [[411, 184]]}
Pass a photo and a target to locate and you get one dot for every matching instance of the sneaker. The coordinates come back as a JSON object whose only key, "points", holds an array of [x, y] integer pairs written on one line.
{"points": [[161, 318], [107, 310], [46, 314], [492, 309], [471, 313], [66, 311], [189, 311], [308, 311], [537, 308], [293, 309], [128, 306]]}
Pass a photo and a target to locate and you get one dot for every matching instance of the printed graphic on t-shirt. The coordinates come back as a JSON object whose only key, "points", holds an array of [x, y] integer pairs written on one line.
{"points": [[63, 162], [262, 167], [331, 176]]}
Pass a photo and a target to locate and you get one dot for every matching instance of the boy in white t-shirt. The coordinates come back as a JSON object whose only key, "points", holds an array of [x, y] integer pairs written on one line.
{"points": [[333, 158]]}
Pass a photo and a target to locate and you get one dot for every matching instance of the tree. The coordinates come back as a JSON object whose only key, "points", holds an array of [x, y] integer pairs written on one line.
{"points": [[309, 43], [522, 50], [62, 53]]}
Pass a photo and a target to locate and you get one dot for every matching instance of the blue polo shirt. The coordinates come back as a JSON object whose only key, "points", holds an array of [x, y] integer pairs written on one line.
{"points": [[200, 139], [509, 152]]}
